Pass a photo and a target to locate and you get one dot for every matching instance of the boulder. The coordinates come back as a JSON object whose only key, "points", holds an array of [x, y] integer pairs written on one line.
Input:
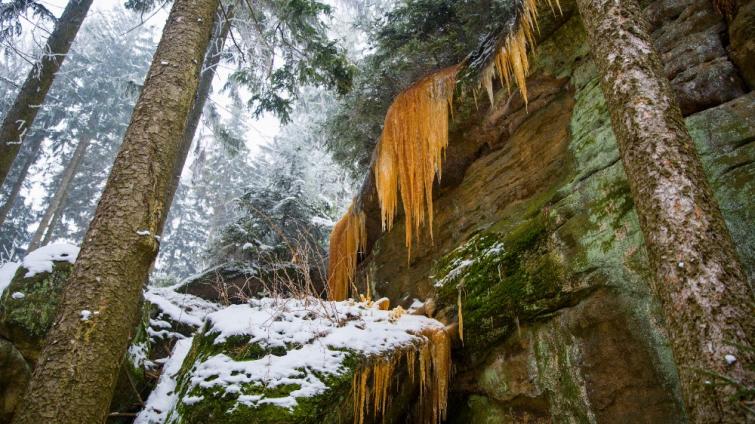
{"points": [[236, 282], [14, 377], [28, 307], [304, 361]]}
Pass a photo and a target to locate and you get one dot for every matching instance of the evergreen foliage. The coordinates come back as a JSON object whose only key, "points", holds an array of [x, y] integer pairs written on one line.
{"points": [[11, 14], [291, 198], [283, 45]]}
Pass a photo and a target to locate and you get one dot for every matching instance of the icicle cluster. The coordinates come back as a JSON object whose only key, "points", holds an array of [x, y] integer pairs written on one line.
{"points": [[429, 366], [411, 149], [510, 62], [347, 239]]}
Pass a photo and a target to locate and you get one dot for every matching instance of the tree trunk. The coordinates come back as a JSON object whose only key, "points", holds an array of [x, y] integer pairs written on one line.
{"points": [[21, 114], [53, 225], [36, 142], [76, 373], [60, 195], [220, 32], [706, 299]]}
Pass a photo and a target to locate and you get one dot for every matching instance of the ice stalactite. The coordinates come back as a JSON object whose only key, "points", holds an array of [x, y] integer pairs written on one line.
{"points": [[428, 366], [347, 239], [510, 62], [411, 149]]}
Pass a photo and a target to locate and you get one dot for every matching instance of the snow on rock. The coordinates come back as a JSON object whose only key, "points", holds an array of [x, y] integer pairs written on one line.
{"points": [[163, 398], [7, 271], [311, 338], [41, 260], [179, 307]]}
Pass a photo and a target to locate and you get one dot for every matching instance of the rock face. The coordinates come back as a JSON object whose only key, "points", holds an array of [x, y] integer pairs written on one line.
{"points": [[690, 37], [742, 39], [14, 377], [537, 249]]}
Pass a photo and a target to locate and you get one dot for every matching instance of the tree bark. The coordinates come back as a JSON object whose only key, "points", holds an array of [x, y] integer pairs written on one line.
{"points": [[21, 114], [220, 32], [705, 296], [36, 142], [53, 224], [60, 195], [77, 370]]}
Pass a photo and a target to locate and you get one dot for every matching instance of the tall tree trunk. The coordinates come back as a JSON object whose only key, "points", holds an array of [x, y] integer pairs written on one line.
{"points": [[60, 195], [36, 144], [53, 224], [74, 379], [220, 32], [706, 299], [21, 114]]}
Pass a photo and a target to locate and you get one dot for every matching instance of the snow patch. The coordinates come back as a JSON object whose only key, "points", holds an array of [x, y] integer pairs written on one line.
{"points": [[7, 271], [323, 222], [317, 336], [179, 307], [42, 259], [18, 295], [162, 400], [137, 354]]}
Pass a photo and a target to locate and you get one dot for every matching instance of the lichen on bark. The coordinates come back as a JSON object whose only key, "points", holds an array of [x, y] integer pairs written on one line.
{"points": [[696, 271]]}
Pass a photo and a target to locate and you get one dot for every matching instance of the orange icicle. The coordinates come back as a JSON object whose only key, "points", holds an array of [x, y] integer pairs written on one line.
{"points": [[347, 239], [371, 385], [411, 149]]}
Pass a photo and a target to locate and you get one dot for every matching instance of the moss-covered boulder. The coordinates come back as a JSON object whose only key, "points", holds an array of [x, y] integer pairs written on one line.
{"points": [[29, 304], [14, 376], [298, 361]]}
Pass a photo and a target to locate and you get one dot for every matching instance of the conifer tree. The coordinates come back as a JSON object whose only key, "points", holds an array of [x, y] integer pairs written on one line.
{"points": [[705, 296], [74, 379], [92, 97], [21, 114], [222, 27]]}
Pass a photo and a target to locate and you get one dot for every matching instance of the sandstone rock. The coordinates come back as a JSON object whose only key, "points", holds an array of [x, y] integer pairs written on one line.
{"points": [[742, 39], [689, 36], [28, 307], [236, 282], [540, 242], [723, 137], [297, 361], [14, 376]]}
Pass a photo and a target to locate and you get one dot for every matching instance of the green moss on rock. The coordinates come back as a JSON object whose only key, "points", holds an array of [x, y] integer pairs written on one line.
{"points": [[502, 279], [216, 404], [26, 317]]}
